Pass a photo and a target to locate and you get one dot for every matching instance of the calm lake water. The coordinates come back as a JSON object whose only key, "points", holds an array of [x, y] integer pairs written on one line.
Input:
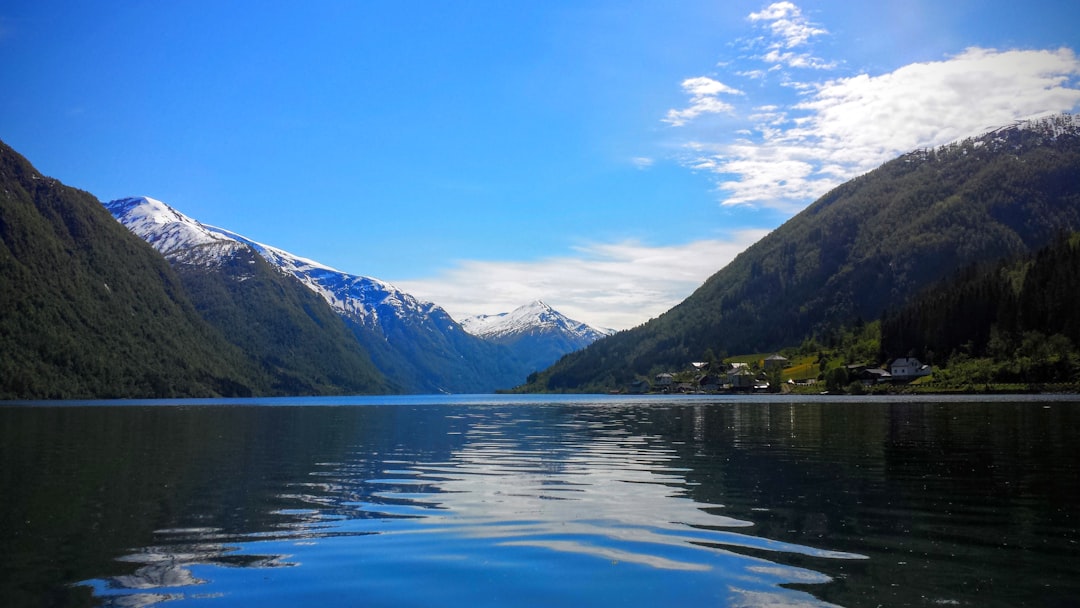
{"points": [[542, 501]]}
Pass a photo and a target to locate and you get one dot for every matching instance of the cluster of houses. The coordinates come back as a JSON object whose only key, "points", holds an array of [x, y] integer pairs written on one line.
{"points": [[728, 377], [743, 377]]}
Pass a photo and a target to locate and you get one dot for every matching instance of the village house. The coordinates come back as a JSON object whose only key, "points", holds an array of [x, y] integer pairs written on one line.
{"points": [[872, 375], [710, 383], [686, 388], [740, 376], [909, 367], [775, 361]]}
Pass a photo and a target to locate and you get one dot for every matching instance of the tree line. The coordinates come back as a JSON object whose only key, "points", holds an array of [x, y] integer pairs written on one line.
{"points": [[1012, 321]]}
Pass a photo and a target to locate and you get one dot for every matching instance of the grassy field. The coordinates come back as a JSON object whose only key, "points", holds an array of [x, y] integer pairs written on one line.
{"points": [[802, 368], [752, 359]]}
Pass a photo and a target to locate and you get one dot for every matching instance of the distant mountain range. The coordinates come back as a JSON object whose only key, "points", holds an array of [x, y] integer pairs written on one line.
{"points": [[865, 248], [536, 331], [415, 344]]}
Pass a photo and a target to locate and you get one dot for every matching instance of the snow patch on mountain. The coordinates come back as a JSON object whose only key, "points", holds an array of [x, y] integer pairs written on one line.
{"points": [[362, 298], [176, 236]]}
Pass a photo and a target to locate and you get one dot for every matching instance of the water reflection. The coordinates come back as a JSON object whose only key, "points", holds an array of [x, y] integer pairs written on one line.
{"points": [[669, 502], [161, 568], [531, 482], [591, 490]]}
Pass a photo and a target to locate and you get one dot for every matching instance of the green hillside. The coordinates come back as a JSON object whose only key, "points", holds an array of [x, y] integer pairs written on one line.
{"points": [[865, 247], [301, 345], [89, 310]]}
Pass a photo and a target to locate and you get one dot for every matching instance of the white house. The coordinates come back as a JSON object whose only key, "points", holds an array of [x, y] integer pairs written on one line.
{"points": [[909, 367]]}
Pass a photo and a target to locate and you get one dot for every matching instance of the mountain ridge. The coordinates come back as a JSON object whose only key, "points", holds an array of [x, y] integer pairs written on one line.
{"points": [[416, 344]]}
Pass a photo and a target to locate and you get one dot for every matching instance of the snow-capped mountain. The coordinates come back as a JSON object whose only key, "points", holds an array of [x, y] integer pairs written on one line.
{"points": [[534, 317], [183, 239], [416, 344], [298, 344], [537, 332]]}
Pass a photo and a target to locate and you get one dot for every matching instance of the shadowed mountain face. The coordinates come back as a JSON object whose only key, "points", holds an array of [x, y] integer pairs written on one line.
{"points": [[866, 247]]}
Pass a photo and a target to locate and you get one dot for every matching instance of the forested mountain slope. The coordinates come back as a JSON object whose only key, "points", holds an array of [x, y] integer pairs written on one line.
{"points": [[89, 310], [301, 345], [868, 245]]}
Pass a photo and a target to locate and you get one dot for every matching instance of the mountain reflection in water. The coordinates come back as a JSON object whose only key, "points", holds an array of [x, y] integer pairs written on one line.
{"points": [[532, 502]]}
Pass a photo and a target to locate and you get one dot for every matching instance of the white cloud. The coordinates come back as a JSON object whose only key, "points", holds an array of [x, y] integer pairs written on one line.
{"points": [[843, 127], [788, 24], [707, 87], [789, 30], [777, 10], [642, 162], [613, 285], [703, 93]]}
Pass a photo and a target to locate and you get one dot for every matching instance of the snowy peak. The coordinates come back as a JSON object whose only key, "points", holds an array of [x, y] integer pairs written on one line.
{"points": [[1017, 136], [1053, 125], [533, 318], [1031, 132], [539, 334], [173, 234]]}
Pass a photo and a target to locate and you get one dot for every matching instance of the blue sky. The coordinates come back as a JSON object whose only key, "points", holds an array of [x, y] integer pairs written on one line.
{"points": [[604, 156]]}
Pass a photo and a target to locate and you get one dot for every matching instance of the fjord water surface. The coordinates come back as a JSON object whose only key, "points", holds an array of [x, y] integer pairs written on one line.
{"points": [[541, 501]]}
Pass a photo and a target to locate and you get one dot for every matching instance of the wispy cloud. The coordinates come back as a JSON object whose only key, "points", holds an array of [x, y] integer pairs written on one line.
{"points": [[704, 99], [784, 156], [612, 285], [788, 32]]}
